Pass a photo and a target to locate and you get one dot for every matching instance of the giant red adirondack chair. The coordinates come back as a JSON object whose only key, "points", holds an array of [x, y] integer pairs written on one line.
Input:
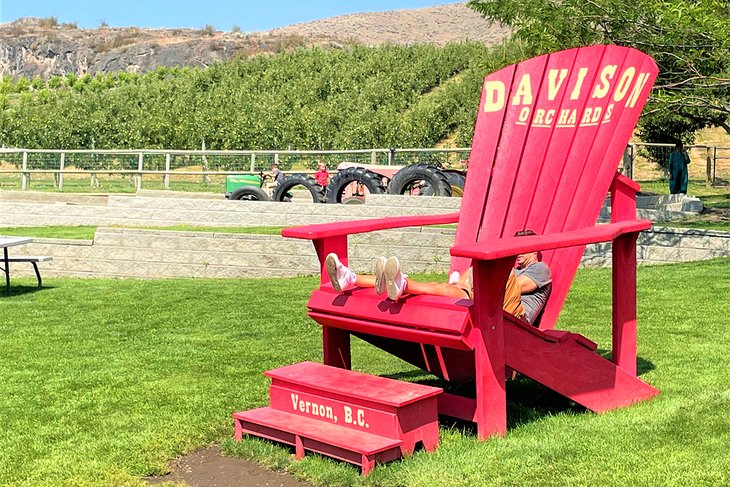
{"points": [[548, 140]]}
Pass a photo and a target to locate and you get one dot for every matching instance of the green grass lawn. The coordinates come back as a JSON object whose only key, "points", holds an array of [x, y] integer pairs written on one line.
{"points": [[76, 233], [88, 232], [114, 184], [695, 187], [103, 381]]}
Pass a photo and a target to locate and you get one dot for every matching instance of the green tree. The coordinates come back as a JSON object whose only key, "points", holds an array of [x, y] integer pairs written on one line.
{"points": [[689, 39]]}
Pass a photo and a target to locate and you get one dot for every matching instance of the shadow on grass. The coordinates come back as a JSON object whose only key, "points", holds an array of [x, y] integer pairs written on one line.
{"points": [[527, 400], [642, 365], [21, 290]]}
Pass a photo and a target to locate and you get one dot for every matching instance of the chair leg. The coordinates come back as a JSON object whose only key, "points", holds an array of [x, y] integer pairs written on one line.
{"points": [[336, 347], [488, 342], [37, 274]]}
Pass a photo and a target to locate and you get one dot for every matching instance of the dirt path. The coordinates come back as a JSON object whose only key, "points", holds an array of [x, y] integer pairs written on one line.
{"points": [[209, 468]]}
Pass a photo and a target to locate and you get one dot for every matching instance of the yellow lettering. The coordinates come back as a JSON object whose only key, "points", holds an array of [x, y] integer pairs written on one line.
{"points": [[523, 95], [638, 87], [524, 115], [360, 417], [607, 74], [549, 117], [493, 96], [539, 117], [553, 85], [573, 117], [586, 116], [579, 83], [623, 84], [609, 112], [564, 114], [348, 415], [596, 114]]}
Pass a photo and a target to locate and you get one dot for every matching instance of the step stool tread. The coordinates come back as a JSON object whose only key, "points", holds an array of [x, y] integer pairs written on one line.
{"points": [[340, 436], [352, 384]]}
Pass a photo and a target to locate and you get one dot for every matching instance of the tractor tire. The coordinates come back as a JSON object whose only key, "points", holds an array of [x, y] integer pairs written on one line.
{"points": [[282, 191], [336, 190], [457, 181], [249, 193], [429, 180]]}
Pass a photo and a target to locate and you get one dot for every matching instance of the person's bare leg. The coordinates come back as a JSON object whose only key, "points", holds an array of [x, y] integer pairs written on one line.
{"points": [[415, 287], [434, 289], [365, 280]]}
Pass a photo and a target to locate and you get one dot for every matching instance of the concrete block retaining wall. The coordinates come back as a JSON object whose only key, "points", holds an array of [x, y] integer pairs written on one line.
{"points": [[138, 253]]}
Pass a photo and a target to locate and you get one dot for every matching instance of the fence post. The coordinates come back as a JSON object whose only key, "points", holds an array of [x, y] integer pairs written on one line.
{"points": [[276, 158], [391, 156], [24, 175], [709, 179], [629, 158], [61, 167], [373, 157], [253, 162], [166, 183], [140, 166]]}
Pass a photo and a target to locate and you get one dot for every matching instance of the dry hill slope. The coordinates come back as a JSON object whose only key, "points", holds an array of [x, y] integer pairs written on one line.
{"points": [[437, 25], [38, 47]]}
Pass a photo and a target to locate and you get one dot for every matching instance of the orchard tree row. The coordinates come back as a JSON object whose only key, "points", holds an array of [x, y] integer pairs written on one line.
{"points": [[304, 99]]}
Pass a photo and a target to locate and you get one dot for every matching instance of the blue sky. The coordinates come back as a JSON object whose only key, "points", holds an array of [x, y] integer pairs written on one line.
{"points": [[221, 14]]}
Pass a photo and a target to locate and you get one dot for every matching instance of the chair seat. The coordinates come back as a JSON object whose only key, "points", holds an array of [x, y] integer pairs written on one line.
{"points": [[435, 319]]}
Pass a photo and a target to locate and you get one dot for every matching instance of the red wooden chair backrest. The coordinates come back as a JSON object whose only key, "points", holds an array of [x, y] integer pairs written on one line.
{"points": [[548, 139]]}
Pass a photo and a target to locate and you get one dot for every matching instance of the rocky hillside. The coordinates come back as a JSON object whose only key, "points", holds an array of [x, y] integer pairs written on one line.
{"points": [[41, 48], [435, 25]]}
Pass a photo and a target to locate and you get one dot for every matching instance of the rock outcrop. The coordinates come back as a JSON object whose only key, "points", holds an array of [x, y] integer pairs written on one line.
{"points": [[32, 47]]}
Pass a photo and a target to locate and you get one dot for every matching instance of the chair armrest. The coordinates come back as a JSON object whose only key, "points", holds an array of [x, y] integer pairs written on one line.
{"points": [[324, 230], [513, 246]]}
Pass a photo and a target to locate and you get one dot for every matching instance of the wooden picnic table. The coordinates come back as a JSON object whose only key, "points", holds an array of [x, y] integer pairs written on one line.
{"points": [[5, 242]]}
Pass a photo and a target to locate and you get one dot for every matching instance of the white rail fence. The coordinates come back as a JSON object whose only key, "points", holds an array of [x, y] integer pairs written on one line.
{"points": [[145, 164], [19, 168]]}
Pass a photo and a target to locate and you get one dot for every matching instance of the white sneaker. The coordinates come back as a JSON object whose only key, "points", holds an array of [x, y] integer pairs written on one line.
{"points": [[341, 276], [455, 277], [380, 275], [395, 280]]}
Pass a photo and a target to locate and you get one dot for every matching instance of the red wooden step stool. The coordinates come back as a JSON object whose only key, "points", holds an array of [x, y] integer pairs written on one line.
{"points": [[351, 416]]}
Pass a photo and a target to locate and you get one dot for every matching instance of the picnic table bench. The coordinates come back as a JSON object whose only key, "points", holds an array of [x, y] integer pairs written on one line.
{"points": [[6, 242]]}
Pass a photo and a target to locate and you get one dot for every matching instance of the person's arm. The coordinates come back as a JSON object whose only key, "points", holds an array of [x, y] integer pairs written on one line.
{"points": [[533, 277], [526, 284]]}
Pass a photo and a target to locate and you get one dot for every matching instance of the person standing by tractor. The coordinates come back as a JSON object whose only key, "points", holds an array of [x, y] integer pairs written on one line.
{"points": [[276, 177], [322, 176]]}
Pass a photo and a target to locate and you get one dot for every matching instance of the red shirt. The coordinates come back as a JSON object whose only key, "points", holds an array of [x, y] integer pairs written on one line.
{"points": [[322, 177]]}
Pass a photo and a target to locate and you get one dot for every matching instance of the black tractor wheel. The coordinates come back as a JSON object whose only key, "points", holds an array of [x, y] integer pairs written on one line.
{"points": [[249, 193], [353, 182], [457, 181], [420, 179], [283, 191]]}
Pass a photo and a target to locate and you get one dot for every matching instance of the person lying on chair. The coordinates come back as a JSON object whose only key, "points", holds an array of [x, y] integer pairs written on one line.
{"points": [[528, 286]]}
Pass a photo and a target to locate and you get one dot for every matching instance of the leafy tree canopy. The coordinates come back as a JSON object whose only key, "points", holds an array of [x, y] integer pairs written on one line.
{"points": [[689, 39]]}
